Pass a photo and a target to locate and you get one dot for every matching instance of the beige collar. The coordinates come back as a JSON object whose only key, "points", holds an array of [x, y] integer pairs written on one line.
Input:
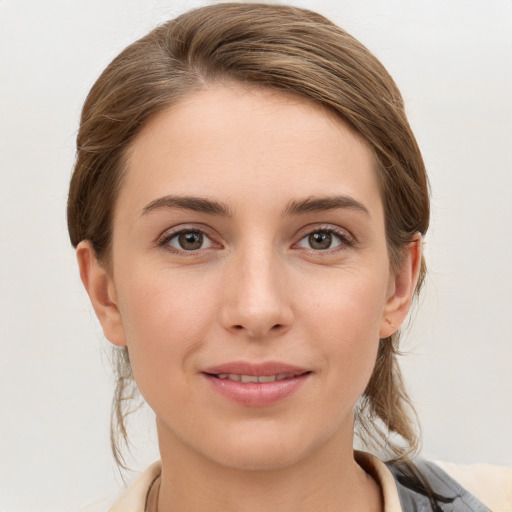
{"points": [[134, 498], [381, 474]]}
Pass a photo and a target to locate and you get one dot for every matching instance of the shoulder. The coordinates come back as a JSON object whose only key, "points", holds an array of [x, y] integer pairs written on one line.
{"points": [[134, 498], [491, 484], [475, 488]]}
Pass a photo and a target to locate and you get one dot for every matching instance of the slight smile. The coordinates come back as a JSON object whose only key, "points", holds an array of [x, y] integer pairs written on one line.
{"points": [[256, 385]]}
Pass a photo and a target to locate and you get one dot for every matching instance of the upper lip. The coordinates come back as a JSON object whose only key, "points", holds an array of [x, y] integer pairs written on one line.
{"points": [[259, 369]]}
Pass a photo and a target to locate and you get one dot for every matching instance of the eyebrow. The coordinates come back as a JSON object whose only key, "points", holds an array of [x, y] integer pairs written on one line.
{"points": [[320, 204], [294, 207], [196, 204]]}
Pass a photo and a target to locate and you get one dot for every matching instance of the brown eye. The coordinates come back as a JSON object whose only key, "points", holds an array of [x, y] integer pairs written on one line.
{"points": [[189, 240], [324, 239], [320, 240]]}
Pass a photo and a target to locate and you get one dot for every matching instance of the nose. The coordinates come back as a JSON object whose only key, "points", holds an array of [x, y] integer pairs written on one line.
{"points": [[256, 297]]}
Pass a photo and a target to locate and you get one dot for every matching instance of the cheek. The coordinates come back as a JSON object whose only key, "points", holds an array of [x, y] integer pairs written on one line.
{"points": [[349, 306], [345, 324], [166, 319], [159, 303]]}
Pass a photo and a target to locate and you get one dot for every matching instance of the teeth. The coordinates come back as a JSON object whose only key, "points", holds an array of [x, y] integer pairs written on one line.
{"points": [[255, 378], [249, 378], [267, 378]]}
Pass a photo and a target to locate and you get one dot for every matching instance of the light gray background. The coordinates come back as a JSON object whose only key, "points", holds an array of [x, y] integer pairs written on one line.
{"points": [[452, 61]]}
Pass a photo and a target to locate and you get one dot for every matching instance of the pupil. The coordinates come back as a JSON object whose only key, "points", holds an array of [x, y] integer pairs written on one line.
{"points": [[191, 240], [320, 240]]}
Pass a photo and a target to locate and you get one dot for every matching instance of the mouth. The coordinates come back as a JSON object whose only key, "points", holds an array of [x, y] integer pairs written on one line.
{"points": [[256, 385], [247, 379]]}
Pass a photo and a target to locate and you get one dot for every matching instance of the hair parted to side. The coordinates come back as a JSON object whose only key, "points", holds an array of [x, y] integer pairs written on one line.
{"points": [[278, 47]]}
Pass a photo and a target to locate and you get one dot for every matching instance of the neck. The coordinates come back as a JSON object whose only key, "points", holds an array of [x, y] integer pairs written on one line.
{"points": [[329, 480]]}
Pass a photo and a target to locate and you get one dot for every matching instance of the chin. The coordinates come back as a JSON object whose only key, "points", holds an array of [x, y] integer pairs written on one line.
{"points": [[268, 450]]}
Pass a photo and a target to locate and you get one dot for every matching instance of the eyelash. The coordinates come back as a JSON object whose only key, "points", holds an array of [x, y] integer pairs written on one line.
{"points": [[344, 239]]}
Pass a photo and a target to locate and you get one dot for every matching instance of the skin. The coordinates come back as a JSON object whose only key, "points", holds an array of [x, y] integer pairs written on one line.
{"points": [[257, 290]]}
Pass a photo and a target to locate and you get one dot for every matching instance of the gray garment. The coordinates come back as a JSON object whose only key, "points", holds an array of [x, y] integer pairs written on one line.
{"points": [[442, 484]]}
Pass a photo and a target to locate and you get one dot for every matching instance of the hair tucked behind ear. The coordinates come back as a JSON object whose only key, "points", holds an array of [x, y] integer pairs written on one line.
{"points": [[123, 404], [274, 46], [385, 407]]}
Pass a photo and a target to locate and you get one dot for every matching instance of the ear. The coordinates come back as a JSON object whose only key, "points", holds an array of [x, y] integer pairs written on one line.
{"points": [[401, 288], [101, 290]]}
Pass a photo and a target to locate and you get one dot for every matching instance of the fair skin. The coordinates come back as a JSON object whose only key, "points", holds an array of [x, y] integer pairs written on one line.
{"points": [[249, 233]]}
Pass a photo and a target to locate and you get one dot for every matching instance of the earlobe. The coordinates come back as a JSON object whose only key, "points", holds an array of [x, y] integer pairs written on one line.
{"points": [[401, 289], [101, 290]]}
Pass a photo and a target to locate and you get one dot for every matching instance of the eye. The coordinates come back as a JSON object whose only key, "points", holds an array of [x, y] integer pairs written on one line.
{"points": [[323, 239], [188, 240]]}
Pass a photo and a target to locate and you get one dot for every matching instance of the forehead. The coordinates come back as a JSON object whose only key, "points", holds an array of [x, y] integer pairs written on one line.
{"points": [[231, 141]]}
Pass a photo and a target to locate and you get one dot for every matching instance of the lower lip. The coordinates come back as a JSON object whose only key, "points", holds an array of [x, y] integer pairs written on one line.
{"points": [[257, 394]]}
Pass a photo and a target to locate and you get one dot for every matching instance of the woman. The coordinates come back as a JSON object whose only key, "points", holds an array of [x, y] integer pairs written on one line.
{"points": [[248, 206]]}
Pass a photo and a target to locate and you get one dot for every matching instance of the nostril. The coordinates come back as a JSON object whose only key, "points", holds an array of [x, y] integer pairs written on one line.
{"points": [[259, 331]]}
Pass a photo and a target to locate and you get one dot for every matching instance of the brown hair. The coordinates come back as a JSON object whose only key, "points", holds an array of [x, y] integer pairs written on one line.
{"points": [[279, 47]]}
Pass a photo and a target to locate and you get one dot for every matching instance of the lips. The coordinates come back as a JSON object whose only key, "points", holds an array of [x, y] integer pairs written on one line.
{"points": [[256, 385]]}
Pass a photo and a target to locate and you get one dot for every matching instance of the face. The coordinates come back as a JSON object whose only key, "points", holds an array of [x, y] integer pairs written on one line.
{"points": [[250, 276]]}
